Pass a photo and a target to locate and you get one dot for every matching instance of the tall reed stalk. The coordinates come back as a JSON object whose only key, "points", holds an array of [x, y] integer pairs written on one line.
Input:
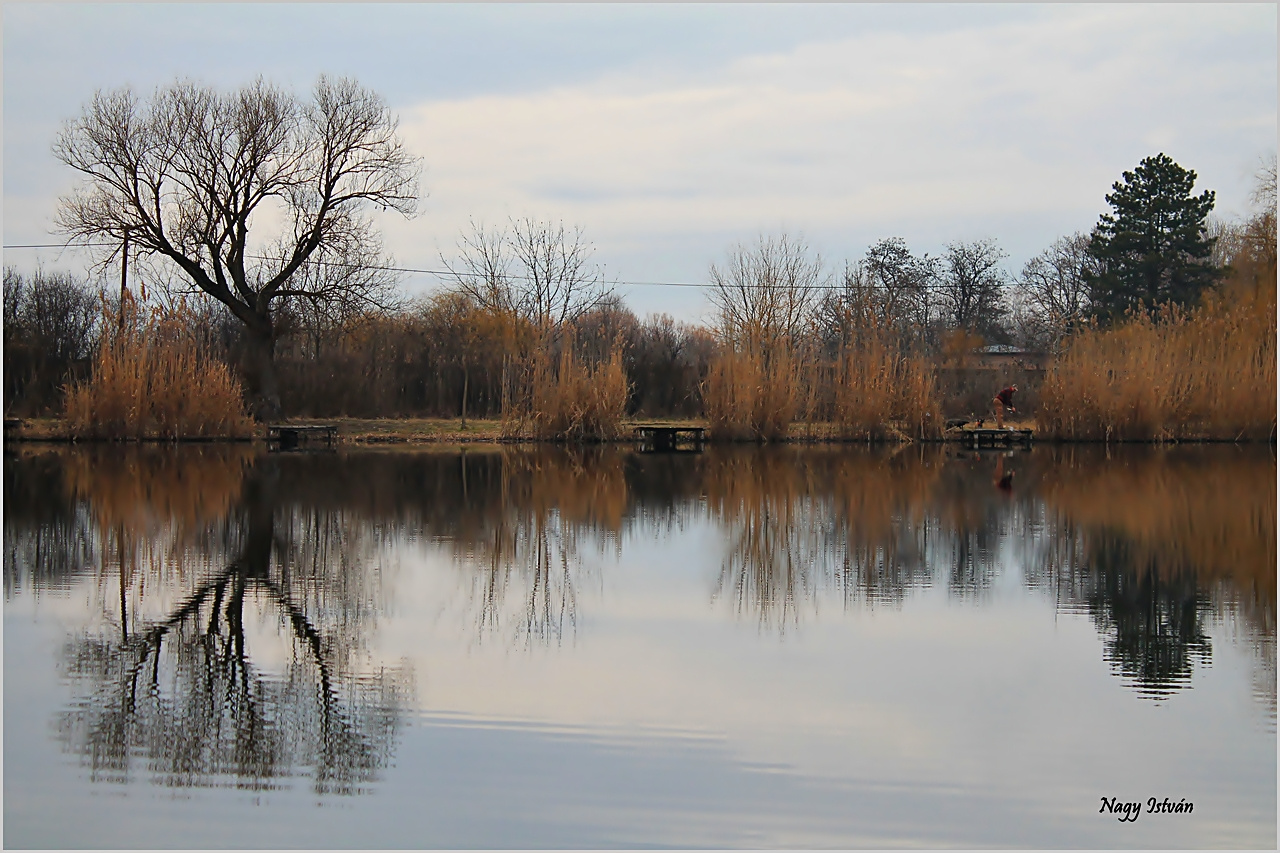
{"points": [[564, 398], [750, 398], [151, 379], [883, 392], [1168, 375]]}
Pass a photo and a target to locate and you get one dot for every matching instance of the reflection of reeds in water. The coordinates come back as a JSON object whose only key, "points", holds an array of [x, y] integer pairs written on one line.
{"points": [[881, 506], [1214, 517], [1168, 539], [528, 558], [774, 539], [49, 539], [585, 487], [800, 522], [138, 488], [158, 516]]}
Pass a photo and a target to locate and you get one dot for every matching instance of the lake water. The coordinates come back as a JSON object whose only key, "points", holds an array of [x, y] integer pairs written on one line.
{"points": [[833, 646]]}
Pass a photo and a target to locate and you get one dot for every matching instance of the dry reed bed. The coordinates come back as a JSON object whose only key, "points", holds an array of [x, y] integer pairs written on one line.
{"points": [[1171, 375], [870, 389], [152, 379], [881, 392], [565, 398], [751, 397]]}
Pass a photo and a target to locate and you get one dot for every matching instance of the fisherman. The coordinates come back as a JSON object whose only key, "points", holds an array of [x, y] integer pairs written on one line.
{"points": [[1002, 401]]}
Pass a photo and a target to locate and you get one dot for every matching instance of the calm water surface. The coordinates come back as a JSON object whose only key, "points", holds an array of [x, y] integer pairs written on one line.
{"points": [[780, 647]]}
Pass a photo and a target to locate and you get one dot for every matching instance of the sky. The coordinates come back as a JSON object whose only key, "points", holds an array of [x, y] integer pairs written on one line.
{"points": [[670, 133]]}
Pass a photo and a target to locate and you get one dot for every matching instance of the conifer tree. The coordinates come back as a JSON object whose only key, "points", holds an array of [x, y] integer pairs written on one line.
{"points": [[1153, 248]]}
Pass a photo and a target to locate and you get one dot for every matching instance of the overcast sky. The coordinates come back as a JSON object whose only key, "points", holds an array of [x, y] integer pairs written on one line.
{"points": [[671, 132]]}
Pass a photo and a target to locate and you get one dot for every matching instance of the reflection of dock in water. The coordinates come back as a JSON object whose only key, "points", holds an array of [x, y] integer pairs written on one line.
{"points": [[661, 438]]}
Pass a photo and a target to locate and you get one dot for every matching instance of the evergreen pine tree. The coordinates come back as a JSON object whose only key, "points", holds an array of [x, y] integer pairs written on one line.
{"points": [[1154, 247]]}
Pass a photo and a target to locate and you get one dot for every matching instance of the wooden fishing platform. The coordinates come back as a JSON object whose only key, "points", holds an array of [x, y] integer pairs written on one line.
{"points": [[291, 436], [990, 437], [658, 438]]}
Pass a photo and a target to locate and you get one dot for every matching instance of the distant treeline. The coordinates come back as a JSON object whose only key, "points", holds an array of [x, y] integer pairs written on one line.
{"points": [[527, 330], [220, 325]]}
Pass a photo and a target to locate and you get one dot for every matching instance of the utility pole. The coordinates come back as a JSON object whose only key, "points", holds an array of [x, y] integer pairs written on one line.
{"points": [[124, 275]]}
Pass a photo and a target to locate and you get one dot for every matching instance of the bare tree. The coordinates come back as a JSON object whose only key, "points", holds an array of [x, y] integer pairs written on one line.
{"points": [[329, 295], [532, 269], [767, 293], [1260, 231], [1053, 286], [560, 281], [482, 270], [51, 320], [1245, 250], [972, 288], [187, 175], [902, 282], [890, 288]]}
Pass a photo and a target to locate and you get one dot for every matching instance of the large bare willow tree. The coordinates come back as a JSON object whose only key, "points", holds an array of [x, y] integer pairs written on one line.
{"points": [[256, 196]]}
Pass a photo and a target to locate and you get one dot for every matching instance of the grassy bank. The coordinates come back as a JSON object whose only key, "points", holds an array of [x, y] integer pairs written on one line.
{"points": [[398, 431]]}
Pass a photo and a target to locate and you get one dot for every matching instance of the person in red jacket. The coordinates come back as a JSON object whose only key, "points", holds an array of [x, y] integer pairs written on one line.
{"points": [[1002, 401]]}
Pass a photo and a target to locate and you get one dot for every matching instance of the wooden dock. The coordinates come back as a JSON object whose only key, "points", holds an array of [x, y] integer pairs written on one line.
{"points": [[659, 438], [977, 438], [292, 436]]}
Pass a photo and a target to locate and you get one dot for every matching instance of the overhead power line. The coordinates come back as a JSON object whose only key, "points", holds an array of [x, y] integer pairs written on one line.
{"points": [[442, 274], [417, 270]]}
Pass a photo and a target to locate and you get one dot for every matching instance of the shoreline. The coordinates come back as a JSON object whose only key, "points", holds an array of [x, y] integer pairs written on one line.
{"points": [[436, 431]]}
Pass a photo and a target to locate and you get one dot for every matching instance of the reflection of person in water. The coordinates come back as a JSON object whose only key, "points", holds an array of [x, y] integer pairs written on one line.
{"points": [[1002, 481]]}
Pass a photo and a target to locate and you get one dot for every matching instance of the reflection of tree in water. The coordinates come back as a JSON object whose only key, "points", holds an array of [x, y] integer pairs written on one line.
{"points": [[800, 523], [1156, 546], [1148, 546], [525, 562], [181, 690], [1152, 620]]}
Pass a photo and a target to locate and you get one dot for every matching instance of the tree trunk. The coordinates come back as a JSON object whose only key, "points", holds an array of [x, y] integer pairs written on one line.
{"points": [[465, 378], [264, 384]]}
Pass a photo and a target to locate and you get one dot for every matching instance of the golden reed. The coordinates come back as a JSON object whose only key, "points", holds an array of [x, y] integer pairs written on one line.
{"points": [[566, 399], [151, 379], [870, 388], [749, 398], [1168, 375]]}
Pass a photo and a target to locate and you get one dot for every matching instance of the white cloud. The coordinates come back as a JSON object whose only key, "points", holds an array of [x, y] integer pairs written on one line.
{"points": [[1007, 122], [855, 131]]}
